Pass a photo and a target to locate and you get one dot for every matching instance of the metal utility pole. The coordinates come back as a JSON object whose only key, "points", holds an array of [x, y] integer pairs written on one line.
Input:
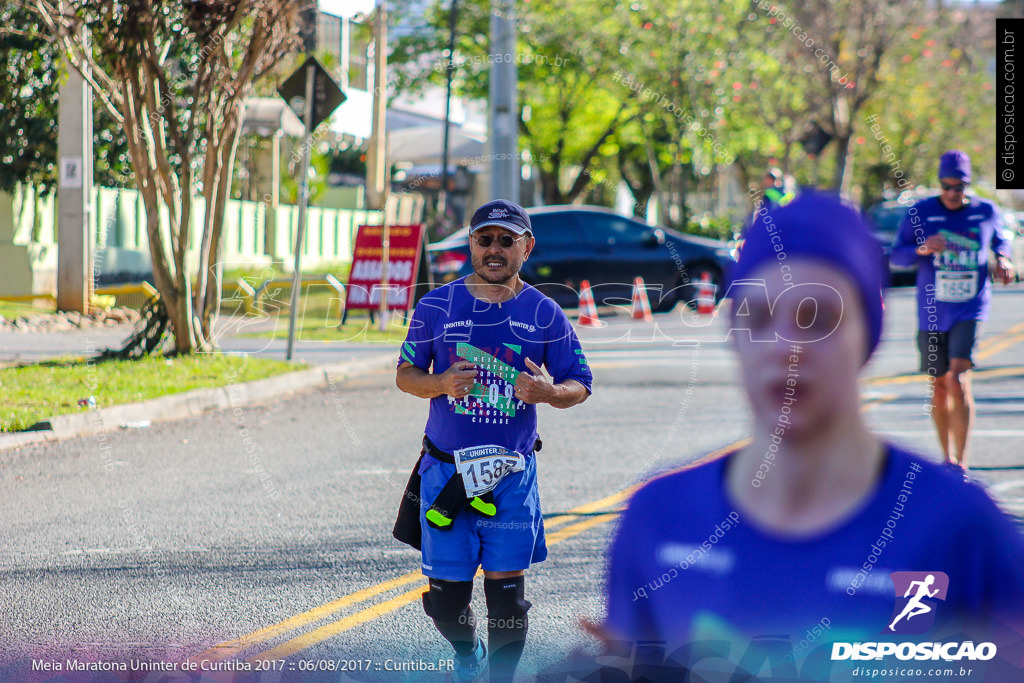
{"points": [[504, 108], [309, 43], [453, 13], [376, 162], [300, 230], [74, 151], [380, 173]]}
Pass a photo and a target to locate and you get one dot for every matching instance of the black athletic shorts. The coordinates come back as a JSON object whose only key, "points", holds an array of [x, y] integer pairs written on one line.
{"points": [[937, 348]]}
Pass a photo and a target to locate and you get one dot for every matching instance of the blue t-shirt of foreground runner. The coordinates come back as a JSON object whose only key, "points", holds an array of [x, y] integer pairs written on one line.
{"points": [[451, 325], [953, 285], [687, 566]]}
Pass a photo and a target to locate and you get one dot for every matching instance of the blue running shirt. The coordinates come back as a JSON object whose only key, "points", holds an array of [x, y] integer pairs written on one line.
{"points": [[450, 325], [686, 565], [952, 285]]}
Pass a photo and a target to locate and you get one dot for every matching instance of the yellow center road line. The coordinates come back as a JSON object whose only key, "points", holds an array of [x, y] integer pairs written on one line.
{"points": [[1011, 371], [601, 504], [869, 403], [229, 649], [894, 379], [233, 647], [984, 343], [327, 631], [986, 349], [1001, 346], [579, 527]]}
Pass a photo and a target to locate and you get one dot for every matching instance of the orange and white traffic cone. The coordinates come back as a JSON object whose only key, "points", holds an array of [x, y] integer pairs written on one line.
{"points": [[705, 295], [641, 304], [588, 310]]}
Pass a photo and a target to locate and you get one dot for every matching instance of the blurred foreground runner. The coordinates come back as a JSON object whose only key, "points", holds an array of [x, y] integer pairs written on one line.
{"points": [[789, 558]]}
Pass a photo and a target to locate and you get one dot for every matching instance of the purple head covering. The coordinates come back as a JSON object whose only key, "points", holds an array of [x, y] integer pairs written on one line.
{"points": [[955, 164], [820, 226]]}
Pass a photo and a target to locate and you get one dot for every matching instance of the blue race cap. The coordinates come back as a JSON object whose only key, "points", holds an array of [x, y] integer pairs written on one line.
{"points": [[504, 214], [820, 226], [955, 164]]}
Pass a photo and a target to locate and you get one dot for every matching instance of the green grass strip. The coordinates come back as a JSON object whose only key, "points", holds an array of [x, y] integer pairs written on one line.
{"points": [[33, 393]]}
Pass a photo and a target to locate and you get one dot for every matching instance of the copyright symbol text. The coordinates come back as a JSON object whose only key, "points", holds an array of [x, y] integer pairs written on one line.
{"points": [[1007, 174]]}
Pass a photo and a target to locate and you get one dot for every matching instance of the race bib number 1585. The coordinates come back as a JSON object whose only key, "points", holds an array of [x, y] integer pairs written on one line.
{"points": [[482, 467]]}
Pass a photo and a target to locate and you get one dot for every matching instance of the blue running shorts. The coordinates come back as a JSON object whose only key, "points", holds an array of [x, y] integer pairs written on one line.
{"points": [[510, 541]]}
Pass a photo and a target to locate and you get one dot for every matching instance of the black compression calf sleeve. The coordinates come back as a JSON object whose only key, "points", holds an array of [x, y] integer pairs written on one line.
{"points": [[447, 603], [506, 625]]}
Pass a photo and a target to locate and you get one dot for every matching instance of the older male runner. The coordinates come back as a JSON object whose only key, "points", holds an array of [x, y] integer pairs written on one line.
{"points": [[475, 348]]}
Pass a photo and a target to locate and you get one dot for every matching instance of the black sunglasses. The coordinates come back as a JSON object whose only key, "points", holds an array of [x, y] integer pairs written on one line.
{"points": [[957, 187], [504, 241]]}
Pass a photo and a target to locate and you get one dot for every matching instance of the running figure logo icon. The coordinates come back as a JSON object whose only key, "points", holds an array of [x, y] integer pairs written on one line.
{"points": [[914, 612]]}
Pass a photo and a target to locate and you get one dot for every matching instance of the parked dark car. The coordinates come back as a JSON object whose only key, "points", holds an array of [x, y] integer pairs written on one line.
{"points": [[885, 218], [576, 243]]}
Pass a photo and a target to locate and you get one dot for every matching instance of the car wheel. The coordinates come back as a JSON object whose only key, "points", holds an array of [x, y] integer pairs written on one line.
{"points": [[696, 274]]}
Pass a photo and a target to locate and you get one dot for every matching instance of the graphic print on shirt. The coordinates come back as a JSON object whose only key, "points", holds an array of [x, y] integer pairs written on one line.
{"points": [[492, 399], [956, 268]]}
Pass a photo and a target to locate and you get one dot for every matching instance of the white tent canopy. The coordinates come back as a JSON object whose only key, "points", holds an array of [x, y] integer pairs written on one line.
{"points": [[424, 145], [266, 116]]}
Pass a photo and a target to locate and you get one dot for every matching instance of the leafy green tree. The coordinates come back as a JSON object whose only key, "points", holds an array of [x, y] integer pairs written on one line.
{"points": [[174, 76], [569, 105], [28, 92], [929, 100], [28, 108], [848, 44]]}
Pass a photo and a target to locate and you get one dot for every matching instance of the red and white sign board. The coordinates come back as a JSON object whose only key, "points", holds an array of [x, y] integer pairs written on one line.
{"points": [[364, 283]]}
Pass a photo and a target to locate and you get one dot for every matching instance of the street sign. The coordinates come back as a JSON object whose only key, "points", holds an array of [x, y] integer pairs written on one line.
{"points": [[327, 96], [312, 94], [815, 139]]}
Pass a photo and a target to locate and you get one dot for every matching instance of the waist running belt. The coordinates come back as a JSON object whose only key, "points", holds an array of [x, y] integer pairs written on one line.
{"points": [[445, 508]]}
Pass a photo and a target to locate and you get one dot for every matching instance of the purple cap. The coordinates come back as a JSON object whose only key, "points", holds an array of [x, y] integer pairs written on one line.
{"points": [[504, 214], [820, 226], [955, 164]]}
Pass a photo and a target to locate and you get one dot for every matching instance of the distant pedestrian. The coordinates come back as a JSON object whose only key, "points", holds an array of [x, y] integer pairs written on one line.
{"points": [[475, 348], [775, 190], [951, 239]]}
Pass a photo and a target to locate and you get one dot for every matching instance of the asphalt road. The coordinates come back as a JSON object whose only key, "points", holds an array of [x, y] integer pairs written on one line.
{"points": [[260, 536]]}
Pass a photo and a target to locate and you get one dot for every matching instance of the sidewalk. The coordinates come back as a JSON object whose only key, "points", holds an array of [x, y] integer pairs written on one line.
{"points": [[332, 361], [33, 347]]}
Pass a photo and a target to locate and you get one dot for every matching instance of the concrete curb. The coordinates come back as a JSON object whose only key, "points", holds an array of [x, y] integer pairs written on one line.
{"points": [[193, 403]]}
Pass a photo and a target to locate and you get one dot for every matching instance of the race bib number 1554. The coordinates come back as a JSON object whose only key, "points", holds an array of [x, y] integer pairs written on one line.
{"points": [[953, 285]]}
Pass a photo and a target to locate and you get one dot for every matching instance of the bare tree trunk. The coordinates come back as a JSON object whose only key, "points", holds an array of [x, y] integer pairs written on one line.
{"points": [[549, 189], [168, 282], [656, 179], [210, 299], [841, 178]]}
